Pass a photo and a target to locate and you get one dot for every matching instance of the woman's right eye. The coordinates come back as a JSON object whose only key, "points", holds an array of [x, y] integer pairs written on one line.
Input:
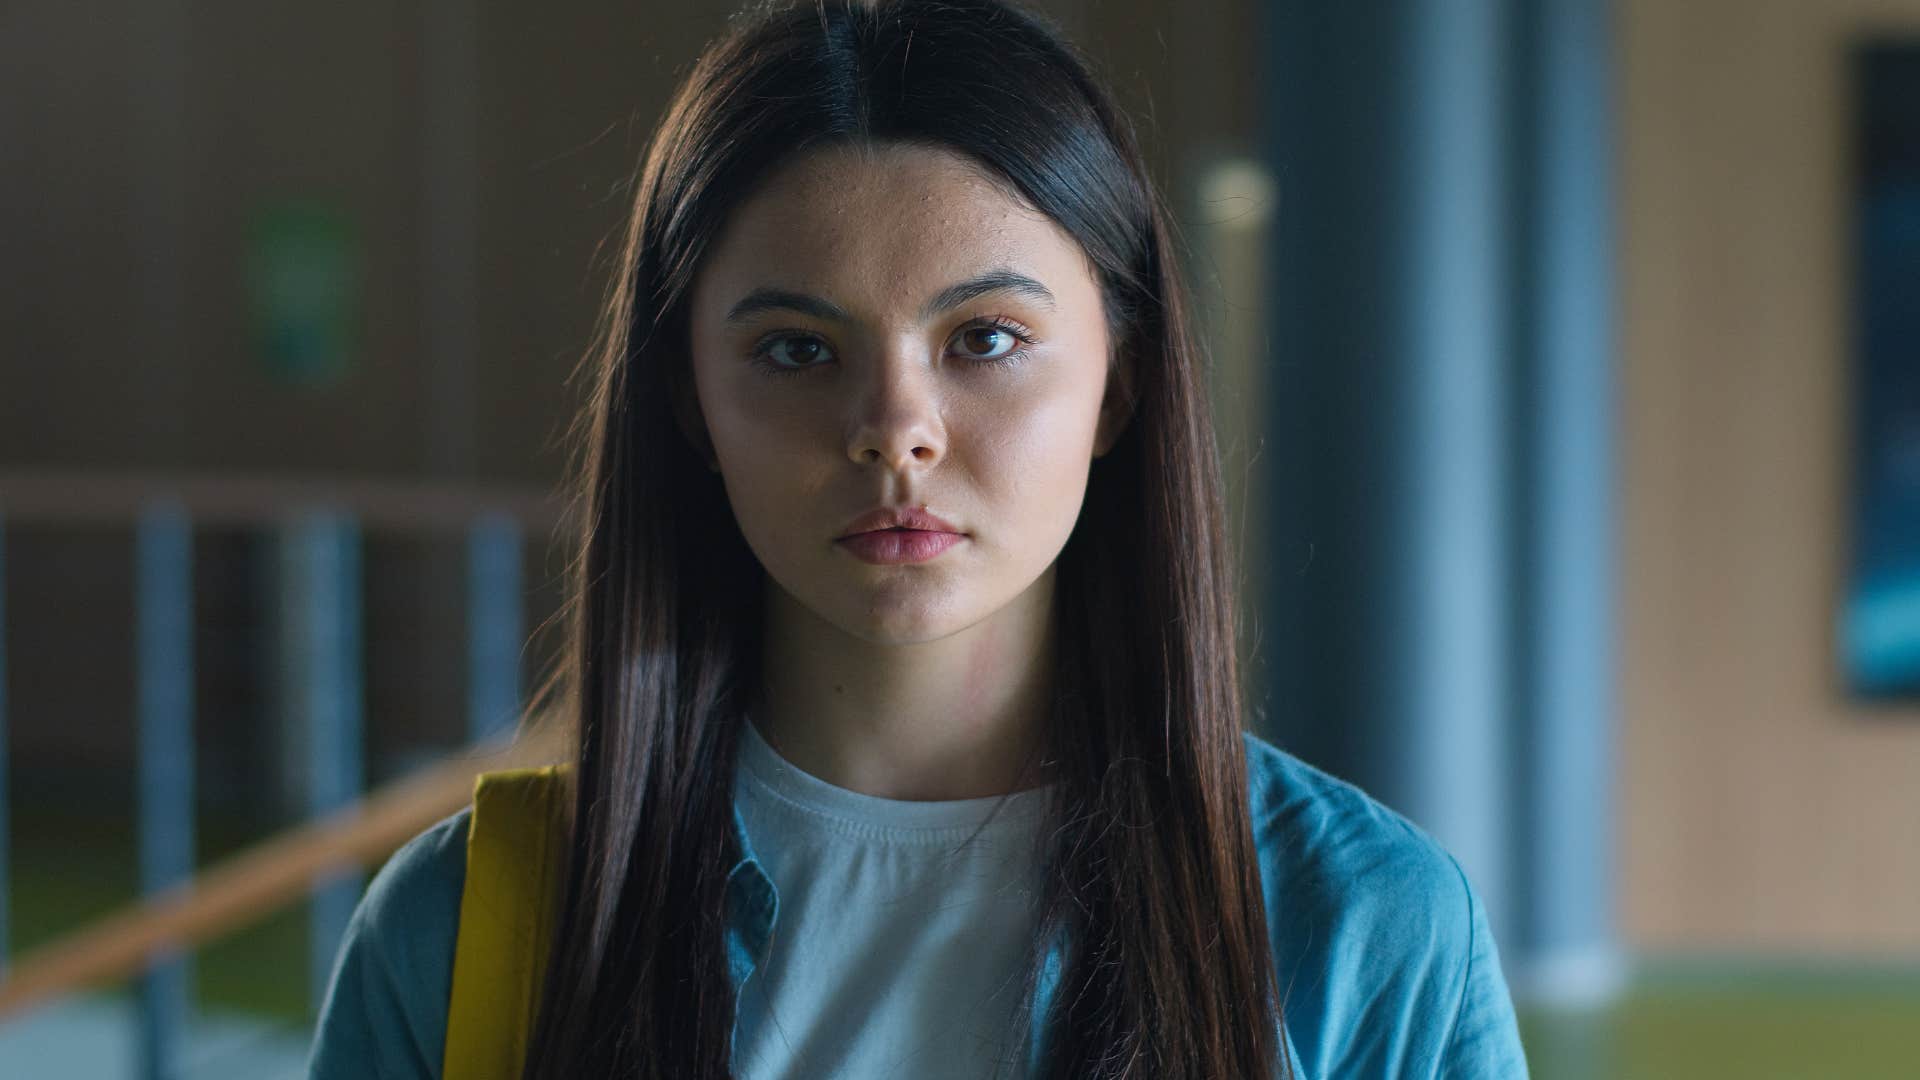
{"points": [[790, 353]]}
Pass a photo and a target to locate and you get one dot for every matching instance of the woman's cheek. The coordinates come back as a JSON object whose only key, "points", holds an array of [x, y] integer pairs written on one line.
{"points": [[1045, 435], [762, 435]]}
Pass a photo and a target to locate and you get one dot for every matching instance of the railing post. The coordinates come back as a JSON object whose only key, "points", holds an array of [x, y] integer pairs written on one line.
{"points": [[321, 679], [164, 614], [6, 826], [494, 622]]}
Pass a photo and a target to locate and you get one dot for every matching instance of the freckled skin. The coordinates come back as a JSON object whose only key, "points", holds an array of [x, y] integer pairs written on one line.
{"points": [[897, 411]]}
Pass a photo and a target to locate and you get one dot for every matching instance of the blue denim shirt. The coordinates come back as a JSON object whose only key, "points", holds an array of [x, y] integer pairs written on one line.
{"points": [[1382, 951]]}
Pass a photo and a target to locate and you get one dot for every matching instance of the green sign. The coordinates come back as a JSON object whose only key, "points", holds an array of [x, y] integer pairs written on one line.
{"points": [[303, 284]]}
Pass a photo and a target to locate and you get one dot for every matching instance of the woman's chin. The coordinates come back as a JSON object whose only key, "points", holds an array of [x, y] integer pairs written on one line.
{"points": [[884, 625], [899, 616]]}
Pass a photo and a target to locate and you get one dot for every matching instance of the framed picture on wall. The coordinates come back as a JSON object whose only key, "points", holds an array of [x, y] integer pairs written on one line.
{"points": [[1879, 639]]}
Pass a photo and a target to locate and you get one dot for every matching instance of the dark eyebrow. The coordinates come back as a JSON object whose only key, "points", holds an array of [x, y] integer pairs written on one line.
{"points": [[769, 299], [765, 299], [1001, 280]]}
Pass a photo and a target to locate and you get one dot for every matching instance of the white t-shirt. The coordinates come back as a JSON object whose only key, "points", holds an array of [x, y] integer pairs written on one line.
{"points": [[901, 943]]}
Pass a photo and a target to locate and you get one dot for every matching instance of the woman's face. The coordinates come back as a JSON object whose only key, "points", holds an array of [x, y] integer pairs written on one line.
{"points": [[857, 345]]}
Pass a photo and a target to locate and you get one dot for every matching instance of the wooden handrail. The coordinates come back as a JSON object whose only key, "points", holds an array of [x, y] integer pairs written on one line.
{"points": [[262, 499], [255, 883]]}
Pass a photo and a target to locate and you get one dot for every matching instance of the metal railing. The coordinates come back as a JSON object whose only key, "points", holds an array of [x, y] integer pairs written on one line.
{"points": [[317, 524], [247, 887]]}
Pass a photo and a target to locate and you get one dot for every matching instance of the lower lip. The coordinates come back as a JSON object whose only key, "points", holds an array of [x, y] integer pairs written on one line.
{"points": [[888, 546]]}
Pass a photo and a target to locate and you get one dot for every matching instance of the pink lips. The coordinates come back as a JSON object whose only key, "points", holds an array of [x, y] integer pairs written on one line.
{"points": [[898, 545], [892, 535]]}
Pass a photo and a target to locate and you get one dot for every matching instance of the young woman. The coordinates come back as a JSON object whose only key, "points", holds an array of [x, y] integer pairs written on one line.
{"points": [[902, 668]]}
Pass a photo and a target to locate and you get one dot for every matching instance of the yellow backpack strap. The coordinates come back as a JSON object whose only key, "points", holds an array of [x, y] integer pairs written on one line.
{"points": [[516, 856]]}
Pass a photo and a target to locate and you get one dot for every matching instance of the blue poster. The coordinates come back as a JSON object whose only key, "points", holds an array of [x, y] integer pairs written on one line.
{"points": [[1880, 624]]}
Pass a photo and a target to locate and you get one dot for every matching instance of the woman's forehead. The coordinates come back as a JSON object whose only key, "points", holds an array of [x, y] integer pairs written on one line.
{"points": [[889, 226], [827, 172]]}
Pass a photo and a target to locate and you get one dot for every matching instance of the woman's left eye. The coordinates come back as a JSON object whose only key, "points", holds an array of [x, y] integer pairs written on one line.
{"points": [[994, 341]]}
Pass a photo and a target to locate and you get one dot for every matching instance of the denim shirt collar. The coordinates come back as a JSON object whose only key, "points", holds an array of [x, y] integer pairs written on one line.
{"points": [[752, 906]]}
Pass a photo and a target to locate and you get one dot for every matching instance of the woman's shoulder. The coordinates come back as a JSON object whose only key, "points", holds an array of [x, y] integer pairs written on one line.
{"points": [[385, 1012], [416, 893], [1371, 918], [1314, 824], [1342, 866]]}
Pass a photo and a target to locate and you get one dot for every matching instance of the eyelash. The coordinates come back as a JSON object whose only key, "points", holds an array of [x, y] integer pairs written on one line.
{"points": [[991, 322]]}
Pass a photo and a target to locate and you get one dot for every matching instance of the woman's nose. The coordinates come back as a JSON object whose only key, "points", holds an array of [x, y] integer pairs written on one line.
{"points": [[897, 419]]}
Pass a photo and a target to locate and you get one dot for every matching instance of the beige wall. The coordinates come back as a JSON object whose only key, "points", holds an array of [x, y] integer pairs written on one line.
{"points": [[1759, 809], [142, 137]]}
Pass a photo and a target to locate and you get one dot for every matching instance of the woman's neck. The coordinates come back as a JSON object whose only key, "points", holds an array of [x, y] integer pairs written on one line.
{"points": [[957, 718]]}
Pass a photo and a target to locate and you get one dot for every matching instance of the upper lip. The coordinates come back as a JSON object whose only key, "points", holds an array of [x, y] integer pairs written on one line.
{"points": [[896, 517]]}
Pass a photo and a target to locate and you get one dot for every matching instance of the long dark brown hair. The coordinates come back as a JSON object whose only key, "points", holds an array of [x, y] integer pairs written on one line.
{"points": [[1152, 876]]}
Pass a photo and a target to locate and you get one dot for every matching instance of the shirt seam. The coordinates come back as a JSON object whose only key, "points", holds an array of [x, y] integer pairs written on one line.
{"points": [[1466, 976]]}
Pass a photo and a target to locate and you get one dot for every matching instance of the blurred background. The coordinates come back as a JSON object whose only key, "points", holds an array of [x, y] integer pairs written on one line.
{"points": [[1569, 403]]}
